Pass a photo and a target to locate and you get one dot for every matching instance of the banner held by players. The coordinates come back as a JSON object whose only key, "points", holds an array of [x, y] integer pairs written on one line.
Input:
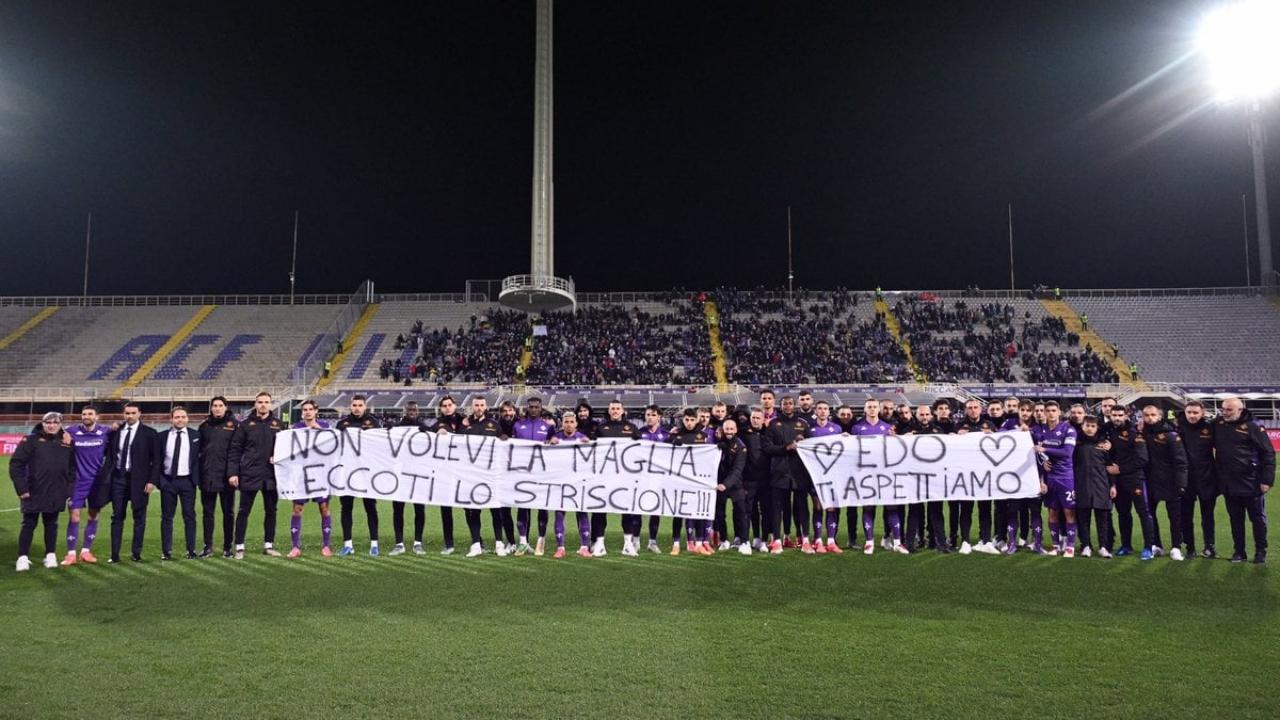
{"points": [[903, 469], [612, 476]]}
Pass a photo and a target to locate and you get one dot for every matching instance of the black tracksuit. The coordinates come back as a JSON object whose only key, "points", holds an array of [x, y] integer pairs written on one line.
{"points": [[44, 469], [1197, 440], [484, 427], [1166, 478], [1129, 453], [249, 458], [961, 511], [215, 443], [755, 480], [347, 503], [918, 513], [1093, 489], [1244, 462], [448, 423], [397, 506], [733, 462], [600, 521], [788, 477]]}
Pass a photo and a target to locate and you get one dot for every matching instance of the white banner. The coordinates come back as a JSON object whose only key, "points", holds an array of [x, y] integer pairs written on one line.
{"points": [[902, 469], [614, 476]]}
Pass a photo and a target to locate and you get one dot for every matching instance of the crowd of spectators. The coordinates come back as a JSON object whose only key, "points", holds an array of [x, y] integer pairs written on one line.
{"points": [[614, 345], [487, 351]]}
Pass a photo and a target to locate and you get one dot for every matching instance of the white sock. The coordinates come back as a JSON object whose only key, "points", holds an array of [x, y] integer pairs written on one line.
{"points": [[524, 539], [239, 546], [628, 539], [346, 543], [266, 546], [374, 543]]}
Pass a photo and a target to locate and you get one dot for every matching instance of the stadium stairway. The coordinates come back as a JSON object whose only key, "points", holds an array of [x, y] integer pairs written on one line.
{"points": [[348, 346], [1069, 317], [891, 322], [174, 342], [26, 327], [718, 364]]}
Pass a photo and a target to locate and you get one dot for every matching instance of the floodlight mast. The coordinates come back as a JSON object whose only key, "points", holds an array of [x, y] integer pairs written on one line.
{"points": [[1239, 42]]}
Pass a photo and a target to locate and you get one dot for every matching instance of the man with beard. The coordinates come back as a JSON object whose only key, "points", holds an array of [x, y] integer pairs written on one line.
{"points": [[805, 406], [448, 420], [1024, 420], [616, 426], [755, 478], [1129, 467], [359, 419], [1095, 489], [733, 460], [215, 442], [411, 418], [790, 480], [90, 441], [479, 424], [132, 469], [504, 524], [1166, 476], [249, 463], [532, 427], [1197, 441], [1245, 465], [962, 510], [917, 512], [689, 433], [43, 471]]}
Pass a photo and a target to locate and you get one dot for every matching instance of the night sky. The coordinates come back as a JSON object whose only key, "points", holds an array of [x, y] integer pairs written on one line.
{"points": [[898, 131]]}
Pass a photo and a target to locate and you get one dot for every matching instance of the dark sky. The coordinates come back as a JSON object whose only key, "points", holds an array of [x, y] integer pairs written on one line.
{"points": [[898, 131]]}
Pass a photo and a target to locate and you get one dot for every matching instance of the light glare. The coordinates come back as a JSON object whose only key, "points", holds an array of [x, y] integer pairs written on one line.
{"points": [[1241, 42]]}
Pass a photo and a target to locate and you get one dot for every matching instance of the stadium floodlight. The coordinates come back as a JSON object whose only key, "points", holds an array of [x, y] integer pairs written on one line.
{"points": [[1241, 45], [1241, 42]]}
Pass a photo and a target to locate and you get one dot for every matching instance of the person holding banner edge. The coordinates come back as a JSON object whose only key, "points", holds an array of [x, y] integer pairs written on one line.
{"points": [[249, 466]]}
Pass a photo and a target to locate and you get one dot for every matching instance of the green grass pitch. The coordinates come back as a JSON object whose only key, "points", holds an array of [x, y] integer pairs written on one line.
{"points": [[652, 637]]}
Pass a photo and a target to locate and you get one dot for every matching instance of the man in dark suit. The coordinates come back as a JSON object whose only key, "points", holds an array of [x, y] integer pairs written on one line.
{"points": [[132, 470], [179, 478]]}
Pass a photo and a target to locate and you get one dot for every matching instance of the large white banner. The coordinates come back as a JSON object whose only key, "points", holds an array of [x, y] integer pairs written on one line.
{"points": [[902, 469], [613, 476]]}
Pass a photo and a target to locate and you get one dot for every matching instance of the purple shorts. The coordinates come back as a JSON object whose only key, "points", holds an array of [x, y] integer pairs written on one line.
{"points": [[324, 499], [83, 495], [1061, 495]]}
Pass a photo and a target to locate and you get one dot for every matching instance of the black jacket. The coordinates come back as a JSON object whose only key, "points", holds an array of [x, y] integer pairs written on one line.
{"points": [[45, 466], [757, 467], [252, 446], [1167, 462], [145, 457], [1245, 459], [1093, 483], [406, 421], [486, 427], [1129, 452], [981, 425], [611, 429], [785, 467], [449, 423], [733, 459], [1197, 440], [215, 442]]}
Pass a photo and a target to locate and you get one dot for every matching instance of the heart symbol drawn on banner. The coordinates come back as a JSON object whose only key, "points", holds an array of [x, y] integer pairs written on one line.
{"points": [[997, 442], [833, 451]]}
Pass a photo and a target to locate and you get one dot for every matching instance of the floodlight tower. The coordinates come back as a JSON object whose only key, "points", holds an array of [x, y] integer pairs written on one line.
{"points": [[540, 290], [1239, 42]]}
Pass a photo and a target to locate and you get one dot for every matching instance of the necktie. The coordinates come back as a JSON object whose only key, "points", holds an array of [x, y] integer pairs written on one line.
{"points": [[177, 451], [124, 451]]}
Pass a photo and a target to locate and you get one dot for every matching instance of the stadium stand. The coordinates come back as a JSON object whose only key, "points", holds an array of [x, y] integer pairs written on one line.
{"points": [[1208, 340]]}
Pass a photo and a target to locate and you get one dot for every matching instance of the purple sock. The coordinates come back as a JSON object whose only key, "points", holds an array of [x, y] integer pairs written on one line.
{"points": [[1071, 534], [584, 528], [817, 525], [295, 531], [833, 525], [869, 523], [326, 528], [895, 524], [1011, 536], [1053, 531], [688, 531], [559, 528], [90, 532], [73, 535], [1037, 532]]}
